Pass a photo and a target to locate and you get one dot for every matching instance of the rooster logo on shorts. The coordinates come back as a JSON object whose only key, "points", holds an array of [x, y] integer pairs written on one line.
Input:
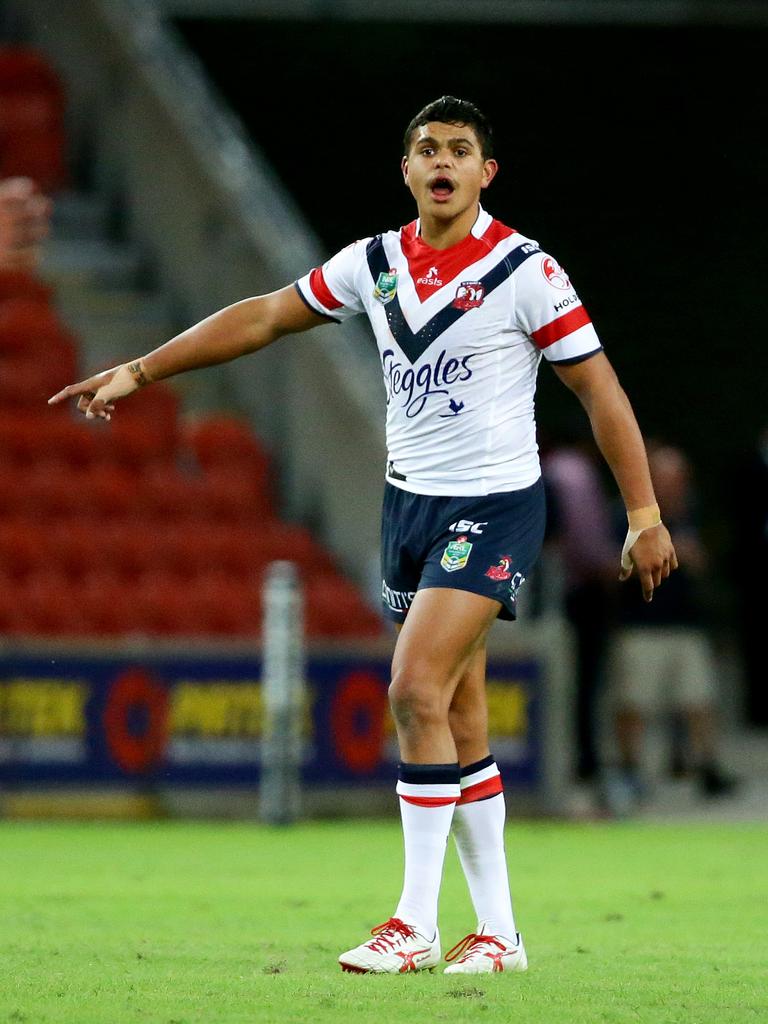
{"points": [[502, 571]]}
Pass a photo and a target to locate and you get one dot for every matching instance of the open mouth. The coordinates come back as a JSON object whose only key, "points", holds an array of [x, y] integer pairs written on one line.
{"points": [[442, 188]]}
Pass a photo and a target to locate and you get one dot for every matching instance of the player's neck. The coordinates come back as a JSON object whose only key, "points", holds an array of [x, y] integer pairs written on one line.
{"points": [[442, 232]]}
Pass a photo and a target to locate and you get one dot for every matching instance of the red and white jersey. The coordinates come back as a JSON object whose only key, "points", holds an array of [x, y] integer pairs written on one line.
{"points": [[460, 333]]}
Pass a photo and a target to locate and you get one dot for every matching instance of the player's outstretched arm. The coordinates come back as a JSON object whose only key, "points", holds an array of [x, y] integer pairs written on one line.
{"points": [[648, 547], [234, 331]]}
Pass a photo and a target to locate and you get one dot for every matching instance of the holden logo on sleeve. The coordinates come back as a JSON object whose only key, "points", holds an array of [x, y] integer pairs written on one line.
{"points": [[554, 273], [456, 554], [469, 295], [386, 286]]}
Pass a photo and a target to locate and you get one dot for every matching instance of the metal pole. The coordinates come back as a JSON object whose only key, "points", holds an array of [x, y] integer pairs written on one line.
{"points": [[283, 690]]}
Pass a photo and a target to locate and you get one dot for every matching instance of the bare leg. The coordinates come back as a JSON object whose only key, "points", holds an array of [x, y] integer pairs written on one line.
{"points": [[437, 643], [434, 650]]}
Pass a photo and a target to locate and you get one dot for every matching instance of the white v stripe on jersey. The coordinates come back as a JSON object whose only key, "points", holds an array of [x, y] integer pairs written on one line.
{"points": [[460, 334]]}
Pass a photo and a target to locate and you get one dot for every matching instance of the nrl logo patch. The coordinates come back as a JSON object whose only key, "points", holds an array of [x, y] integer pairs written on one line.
{"points": [[386, 287], [456, 555]]}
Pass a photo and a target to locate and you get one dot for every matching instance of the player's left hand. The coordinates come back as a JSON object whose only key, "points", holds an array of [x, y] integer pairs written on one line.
{"points": [[653, 556]]}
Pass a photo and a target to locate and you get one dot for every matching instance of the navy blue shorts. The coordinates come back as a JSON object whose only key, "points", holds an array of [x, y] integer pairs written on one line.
{"points": [[486, 545]]}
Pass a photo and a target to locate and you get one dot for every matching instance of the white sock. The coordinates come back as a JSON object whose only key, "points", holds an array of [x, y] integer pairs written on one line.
{"points": [[428, 795], [478, 828]]}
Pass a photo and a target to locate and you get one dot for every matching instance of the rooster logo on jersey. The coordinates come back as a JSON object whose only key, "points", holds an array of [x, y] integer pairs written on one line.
{"points": [[554, 273], [469, 295]]}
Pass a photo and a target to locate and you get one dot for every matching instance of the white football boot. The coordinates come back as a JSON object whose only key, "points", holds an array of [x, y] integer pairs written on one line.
{"points": [[487, 954], [396, 949]]}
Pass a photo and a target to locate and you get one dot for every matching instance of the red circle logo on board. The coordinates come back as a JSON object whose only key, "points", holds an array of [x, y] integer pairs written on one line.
{"points": [[135, 721], [554, 273]]}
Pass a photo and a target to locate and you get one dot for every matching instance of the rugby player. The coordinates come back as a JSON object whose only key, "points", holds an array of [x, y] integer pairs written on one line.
{"points": [[463, 307]]}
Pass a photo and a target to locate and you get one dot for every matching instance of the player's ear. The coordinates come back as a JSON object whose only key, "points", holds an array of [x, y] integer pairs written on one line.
{"points": [[490, 170], [404, 168]]}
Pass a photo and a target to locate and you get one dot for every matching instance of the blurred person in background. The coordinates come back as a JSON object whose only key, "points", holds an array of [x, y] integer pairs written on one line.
{"points": [[662, 657], [24, 223], [583, 531], [749, 496]]}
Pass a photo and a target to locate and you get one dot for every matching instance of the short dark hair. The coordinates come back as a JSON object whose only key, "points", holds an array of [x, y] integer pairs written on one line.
{"points": [[450, 110]]}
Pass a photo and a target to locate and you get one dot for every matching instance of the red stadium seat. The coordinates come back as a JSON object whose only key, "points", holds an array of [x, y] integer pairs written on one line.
{"points": [[30, 324], [107, 603], [286, 542], [52, 604], [31, 118], [50, 490], [23, 284], [335, 608], [226, 441], [73, 545], [24, 68], [14, 618], [237, 497], [137, 441], [156, 408], [28, 383], [163, 605], [26, 438], [20, 548], [223, 606], [173, 496]]}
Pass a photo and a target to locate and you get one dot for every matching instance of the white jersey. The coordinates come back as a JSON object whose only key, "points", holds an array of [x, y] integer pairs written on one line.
{"points": [[460, 333]]}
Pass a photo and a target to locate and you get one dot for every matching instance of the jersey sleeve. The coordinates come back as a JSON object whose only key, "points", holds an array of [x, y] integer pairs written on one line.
{"points": [[331, 289], [550, 312]]}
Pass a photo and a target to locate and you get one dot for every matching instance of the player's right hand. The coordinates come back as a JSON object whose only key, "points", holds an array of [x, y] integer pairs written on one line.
{"points": [[96, 395]]}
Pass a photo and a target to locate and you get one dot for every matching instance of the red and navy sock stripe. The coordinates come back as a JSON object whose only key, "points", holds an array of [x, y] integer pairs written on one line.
{"points": [[480, 781], [428, 785]]}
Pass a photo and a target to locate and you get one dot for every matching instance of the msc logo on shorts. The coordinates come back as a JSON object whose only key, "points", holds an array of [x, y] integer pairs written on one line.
{"points": [[466, 526], [456, 555]]}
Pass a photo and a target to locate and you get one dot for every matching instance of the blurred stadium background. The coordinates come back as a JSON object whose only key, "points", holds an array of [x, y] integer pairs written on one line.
{"points": [[199, 151]]}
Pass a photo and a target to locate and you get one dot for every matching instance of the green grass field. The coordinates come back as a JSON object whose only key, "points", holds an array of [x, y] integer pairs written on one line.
{"points": [[185, 923]]}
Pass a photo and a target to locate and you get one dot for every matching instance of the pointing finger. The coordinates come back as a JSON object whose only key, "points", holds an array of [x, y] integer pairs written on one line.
{"points": [[70, 391]]}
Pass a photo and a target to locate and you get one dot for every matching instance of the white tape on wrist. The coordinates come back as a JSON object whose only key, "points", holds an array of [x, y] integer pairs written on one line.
{"points": [[128, 378], [626, 561], [641, 519]]}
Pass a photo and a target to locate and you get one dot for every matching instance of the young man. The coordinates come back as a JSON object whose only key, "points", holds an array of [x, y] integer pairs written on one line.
{"points": [[462, 307]]}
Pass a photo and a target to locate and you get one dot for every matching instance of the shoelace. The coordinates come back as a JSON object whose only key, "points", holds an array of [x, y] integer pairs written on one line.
{"points": [[386, 935], [467, 944]]}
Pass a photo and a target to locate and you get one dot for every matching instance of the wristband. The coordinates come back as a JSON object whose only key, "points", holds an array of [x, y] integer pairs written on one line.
{"points": [[644, 518], [639, 519], [128, 378]]}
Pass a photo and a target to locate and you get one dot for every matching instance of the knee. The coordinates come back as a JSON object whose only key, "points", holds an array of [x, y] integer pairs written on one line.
{"points": [[416, 697]]}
